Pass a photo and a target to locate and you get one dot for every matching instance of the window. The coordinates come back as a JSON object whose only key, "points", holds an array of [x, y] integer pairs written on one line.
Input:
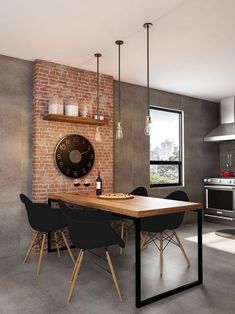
{"points": [[165, 147]]}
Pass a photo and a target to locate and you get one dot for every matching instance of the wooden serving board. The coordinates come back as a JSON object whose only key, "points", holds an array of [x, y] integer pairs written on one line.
{"points": [[121, 196]]}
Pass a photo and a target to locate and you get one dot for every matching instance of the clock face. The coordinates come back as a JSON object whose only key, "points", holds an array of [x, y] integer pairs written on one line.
{"points": [[74, 156]]}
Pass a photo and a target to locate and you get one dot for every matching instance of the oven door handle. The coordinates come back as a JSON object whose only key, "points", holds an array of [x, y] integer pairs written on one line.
{"points": [[220, 217], [219, 187]]}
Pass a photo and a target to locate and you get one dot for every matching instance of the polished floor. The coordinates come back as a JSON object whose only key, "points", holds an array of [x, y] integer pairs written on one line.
{"points": [[22, 292]]}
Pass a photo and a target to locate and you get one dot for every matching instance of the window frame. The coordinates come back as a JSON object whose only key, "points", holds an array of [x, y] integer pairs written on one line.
{"points": [[171, 162]]}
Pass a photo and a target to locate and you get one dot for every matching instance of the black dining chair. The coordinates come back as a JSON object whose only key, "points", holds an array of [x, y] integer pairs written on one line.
{"points": [[140, 190], [90, 231], [157, 228], [43, 219], [125, 227]]}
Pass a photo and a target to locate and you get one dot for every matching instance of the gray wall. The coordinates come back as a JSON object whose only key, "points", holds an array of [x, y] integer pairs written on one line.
{"points": [[131, 154], [16, 77]]}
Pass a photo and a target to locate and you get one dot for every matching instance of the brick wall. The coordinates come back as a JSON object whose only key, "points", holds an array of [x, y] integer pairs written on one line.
{"points": [[63, 80], [51, 77]]}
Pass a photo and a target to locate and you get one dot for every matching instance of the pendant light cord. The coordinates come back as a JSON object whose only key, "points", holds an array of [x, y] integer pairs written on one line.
{"points": [[148, 67], [147, 26], [98, 88], [97, 55], [119, 43], [119, 83]]}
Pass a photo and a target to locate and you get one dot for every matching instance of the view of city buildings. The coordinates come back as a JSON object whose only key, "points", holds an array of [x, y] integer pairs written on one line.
{"points": [[167, 151]]}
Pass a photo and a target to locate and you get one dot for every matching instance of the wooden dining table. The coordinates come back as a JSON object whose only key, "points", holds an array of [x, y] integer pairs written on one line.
{"points": [[136, 208]]}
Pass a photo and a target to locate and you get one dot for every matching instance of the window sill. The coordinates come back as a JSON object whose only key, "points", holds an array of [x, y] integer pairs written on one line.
{"points": [[167, 186]]}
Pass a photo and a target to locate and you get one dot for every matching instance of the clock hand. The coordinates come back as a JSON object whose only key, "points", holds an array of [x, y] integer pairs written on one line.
{"points": [[84, 152]]}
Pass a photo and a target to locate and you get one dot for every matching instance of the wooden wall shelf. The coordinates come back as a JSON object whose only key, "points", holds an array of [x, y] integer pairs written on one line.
{"points": [[70, 119]]}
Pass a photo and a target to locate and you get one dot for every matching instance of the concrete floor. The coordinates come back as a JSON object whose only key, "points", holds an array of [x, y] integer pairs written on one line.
{"points": [[22, 292]]}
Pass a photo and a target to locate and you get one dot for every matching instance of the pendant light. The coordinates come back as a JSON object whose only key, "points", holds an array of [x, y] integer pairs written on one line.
{"points": [[97, 133], [147, 128], [119, 133]]}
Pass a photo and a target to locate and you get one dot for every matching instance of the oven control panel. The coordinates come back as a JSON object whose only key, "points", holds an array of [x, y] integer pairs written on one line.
{"points": [[220, 181]]}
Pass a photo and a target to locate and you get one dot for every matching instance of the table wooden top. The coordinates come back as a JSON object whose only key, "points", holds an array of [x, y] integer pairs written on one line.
{"points": [[138, 207]]}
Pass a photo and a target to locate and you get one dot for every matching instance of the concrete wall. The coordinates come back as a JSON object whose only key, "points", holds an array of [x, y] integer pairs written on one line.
{"points": [[15, 158], [131, 155]]}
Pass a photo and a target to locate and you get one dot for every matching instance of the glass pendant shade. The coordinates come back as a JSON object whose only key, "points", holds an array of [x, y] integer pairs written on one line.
{"points": [[97, 135], [147, 128], [119, 133]]}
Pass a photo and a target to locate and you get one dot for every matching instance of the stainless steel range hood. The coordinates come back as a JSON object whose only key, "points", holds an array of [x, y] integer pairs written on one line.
{"points": [[226, 130]]}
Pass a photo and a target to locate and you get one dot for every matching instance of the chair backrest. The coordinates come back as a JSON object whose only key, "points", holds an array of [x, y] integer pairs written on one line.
{"points": [[29, 209], [24, 199], [88, 230], [41, 217], [175, 220], [140, 190], [168, 221], [178, 196]]}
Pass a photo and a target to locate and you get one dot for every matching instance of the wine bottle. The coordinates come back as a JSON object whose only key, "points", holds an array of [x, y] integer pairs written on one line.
{"points": [[98, 184]]}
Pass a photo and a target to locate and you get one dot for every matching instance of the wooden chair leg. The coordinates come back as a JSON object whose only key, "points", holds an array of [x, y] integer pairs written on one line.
{"points": [[30, 247], [144, 237], [181, 248], [68, 248], [114, 275], [122, 234], [41, 254], [141, 239], [125, 231], [77, 270], [161, 253], [76, 264], [56, 243]]}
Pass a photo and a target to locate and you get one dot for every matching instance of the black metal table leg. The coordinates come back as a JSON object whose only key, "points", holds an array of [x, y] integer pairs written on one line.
{"points": [[137, 264], [49, 250], [199, 239], [199, 281]]}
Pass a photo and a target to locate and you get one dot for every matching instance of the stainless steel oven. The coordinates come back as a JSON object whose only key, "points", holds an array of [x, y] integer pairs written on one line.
{"points": [[220, 200]]}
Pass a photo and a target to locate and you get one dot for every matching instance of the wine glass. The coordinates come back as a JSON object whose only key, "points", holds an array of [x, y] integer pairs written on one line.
{"points": [[77, 183], [87, 183]]}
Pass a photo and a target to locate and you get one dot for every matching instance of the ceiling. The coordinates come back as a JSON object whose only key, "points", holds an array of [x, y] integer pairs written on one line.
{"points": [[192, 42]]}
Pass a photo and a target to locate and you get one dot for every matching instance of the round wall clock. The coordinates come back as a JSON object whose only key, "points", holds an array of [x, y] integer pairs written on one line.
{"points": [[74, 156]]}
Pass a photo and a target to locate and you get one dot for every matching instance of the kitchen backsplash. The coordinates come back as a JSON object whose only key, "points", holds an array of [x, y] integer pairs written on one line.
{"points": [[225, 149]]}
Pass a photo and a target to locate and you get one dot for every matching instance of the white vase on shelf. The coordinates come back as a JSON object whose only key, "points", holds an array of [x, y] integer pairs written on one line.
{"points": [[55, 105], [83, 109], [71, 107]]}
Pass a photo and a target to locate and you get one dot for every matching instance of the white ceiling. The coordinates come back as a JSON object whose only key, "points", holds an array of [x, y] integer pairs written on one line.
{"points": [[192, 42]]}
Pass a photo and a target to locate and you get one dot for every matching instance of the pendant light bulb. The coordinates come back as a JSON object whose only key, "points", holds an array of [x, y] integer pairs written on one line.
{"points": [[119, 133], [147, 128], [97, 135]]}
